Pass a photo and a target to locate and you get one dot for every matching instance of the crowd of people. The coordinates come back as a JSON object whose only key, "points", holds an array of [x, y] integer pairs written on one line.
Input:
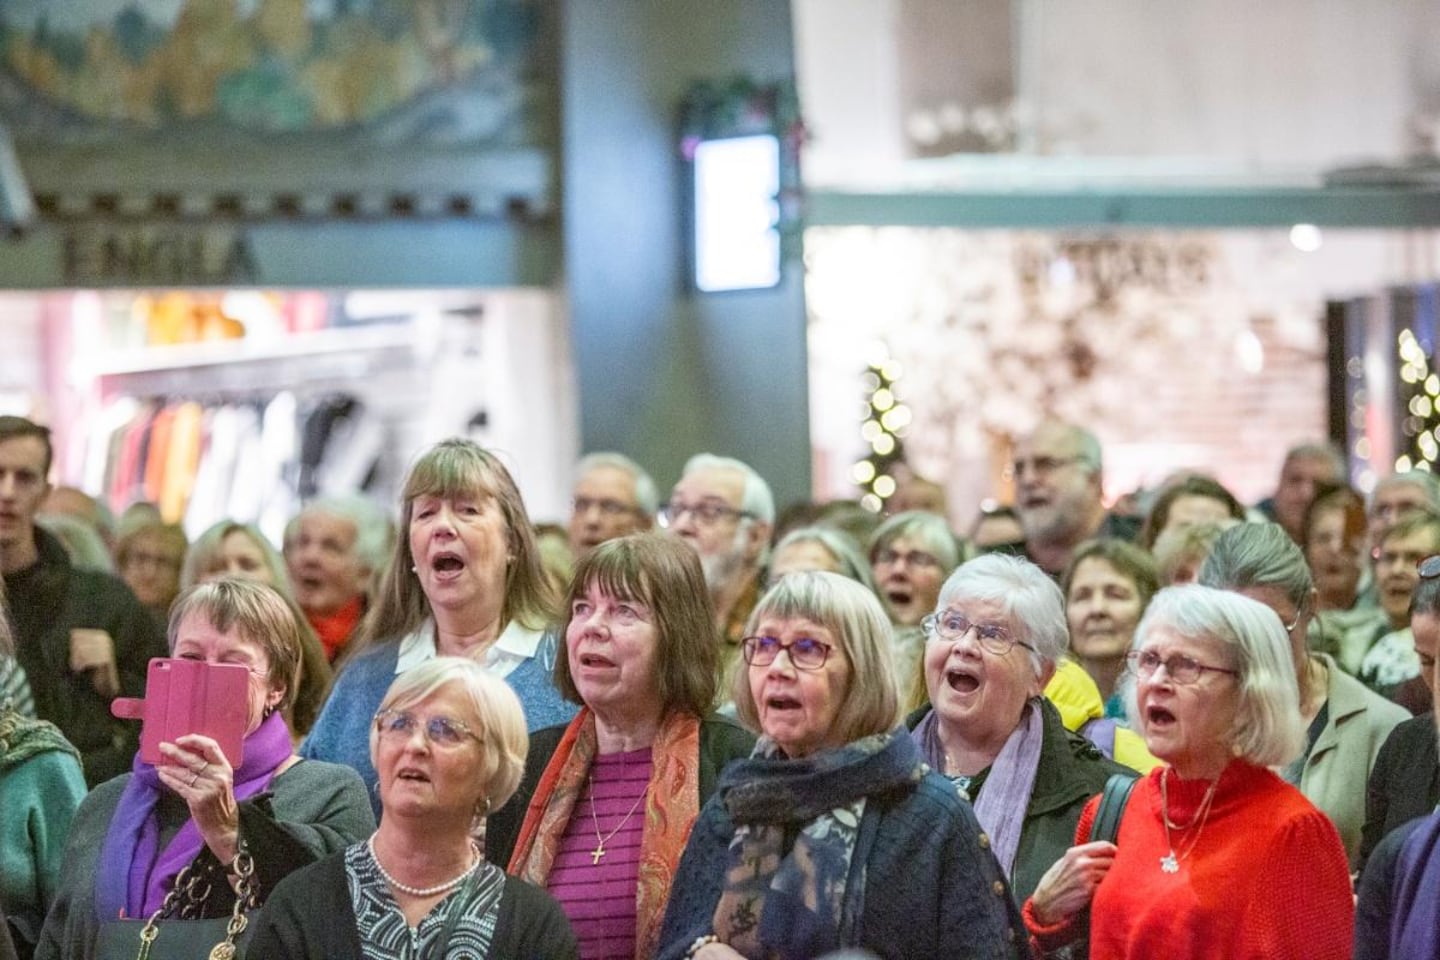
{"points": [[697, 727]]}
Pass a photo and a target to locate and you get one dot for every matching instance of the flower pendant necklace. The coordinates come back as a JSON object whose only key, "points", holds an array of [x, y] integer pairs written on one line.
{"points": [[1170, 862]]}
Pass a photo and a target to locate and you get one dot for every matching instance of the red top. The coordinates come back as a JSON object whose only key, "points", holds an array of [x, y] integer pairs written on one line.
{"points": [[1266, 879], [335, 629]]}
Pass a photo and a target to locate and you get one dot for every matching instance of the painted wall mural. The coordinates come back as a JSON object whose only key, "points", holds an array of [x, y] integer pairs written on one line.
{"points": [[415, 72]]}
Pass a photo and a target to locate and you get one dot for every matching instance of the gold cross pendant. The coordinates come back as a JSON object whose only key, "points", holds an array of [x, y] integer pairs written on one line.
{"points": [[597, 853]]}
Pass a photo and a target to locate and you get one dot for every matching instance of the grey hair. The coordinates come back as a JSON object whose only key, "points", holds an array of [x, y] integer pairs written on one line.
{"points": [[1267, 729], [80, 540], [1026, 593], [1088, 449], [1317, 450], [840, 546], [1416, 478], [1258, 555], [647, 495], [929, 528], [871, 702], [373, 527], [756, 499]]}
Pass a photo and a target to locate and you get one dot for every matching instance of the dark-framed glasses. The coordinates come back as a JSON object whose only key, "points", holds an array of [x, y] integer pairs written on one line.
{"points": [[706, 512], [1429, 568], [400, 726], [948, 626], [806, 653], [1179, 668]]}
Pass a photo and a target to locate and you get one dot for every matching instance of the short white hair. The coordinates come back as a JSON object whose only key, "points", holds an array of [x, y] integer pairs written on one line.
{"points": [[647, 495], [756, 500], [1267, 729], [1026, 593], [373, 527], [1426, 481]]}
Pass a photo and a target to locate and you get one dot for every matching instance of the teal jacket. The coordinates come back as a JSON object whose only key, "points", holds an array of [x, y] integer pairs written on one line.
{"points": [[41, 786]]}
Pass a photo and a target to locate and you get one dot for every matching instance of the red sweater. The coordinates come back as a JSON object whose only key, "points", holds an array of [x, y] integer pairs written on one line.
{"points": [[1268, 878]]}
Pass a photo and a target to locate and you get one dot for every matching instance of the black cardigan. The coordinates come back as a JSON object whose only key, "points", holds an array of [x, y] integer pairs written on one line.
{"points": [[721, 740], [310, 917], [1404, 782]]}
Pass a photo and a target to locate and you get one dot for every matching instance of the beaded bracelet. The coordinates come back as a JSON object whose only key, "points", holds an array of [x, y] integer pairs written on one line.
{"points": [[700, 943]]}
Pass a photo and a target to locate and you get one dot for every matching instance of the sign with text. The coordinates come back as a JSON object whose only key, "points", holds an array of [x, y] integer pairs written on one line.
{"points": [[169, 255]]}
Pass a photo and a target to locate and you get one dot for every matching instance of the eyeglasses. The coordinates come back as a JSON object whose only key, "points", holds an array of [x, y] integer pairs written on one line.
{"points": [[1405, 558], [1040, 466], [806, 653], [1178, 667], [914, 558], [610, 508], [707, 513], [950, 626], [400, 725], [1429, 568]]}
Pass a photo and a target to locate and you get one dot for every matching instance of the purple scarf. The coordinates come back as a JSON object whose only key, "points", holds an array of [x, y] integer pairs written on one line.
{"points": [[131, 848], [1005, 800]]}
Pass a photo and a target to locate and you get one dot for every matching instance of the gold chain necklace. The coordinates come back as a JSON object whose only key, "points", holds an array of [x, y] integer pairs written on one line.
{"points": [[1170, 863], [600, 851]]}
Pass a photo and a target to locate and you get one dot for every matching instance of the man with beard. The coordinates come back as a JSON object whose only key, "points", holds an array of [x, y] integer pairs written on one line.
{"points": [[1391, 667], [334, 548], [1058, 492], [725, 511], [613, 497]]}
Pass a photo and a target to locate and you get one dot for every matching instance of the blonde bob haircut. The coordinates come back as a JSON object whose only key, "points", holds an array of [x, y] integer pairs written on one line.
{"points": [[257, 612], [870, 703], [459, 468], [1267, 730], [492, 712]]}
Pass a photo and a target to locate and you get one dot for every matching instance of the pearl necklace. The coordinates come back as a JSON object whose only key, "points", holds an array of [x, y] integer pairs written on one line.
{"points": [[424, 891]]}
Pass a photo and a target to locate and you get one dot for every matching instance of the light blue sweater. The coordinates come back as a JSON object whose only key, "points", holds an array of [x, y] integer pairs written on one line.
{"points": [[342, 732]]}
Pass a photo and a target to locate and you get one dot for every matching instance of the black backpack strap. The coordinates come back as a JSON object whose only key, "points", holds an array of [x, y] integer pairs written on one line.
{"points": [[1112, 807]]}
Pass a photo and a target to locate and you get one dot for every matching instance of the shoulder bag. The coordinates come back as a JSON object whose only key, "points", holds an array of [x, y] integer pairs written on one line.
{"points": [[166, 936]]}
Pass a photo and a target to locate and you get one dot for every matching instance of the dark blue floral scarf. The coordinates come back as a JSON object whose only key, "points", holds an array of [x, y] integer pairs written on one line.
{"points": [[797, 902]]}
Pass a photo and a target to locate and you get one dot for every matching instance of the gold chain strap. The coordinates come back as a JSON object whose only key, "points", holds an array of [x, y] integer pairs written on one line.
{"points": [[195, 889]]}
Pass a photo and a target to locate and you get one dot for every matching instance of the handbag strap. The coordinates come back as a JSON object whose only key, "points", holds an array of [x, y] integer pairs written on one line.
{"points": [[186, 885], [1113, 799]]}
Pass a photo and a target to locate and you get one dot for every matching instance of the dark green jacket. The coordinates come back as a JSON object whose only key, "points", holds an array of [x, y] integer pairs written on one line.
{"points": [[1071, 770], [721, 740]]}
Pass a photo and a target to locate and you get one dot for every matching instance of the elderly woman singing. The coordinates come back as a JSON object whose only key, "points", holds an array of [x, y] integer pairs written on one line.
{"points": [[612, 795], [448, 743], [993, 643], [1215, 856], [835, 832]]}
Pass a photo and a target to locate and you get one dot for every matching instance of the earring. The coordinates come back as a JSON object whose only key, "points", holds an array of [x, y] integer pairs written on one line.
{"points": [[482, 808]]}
